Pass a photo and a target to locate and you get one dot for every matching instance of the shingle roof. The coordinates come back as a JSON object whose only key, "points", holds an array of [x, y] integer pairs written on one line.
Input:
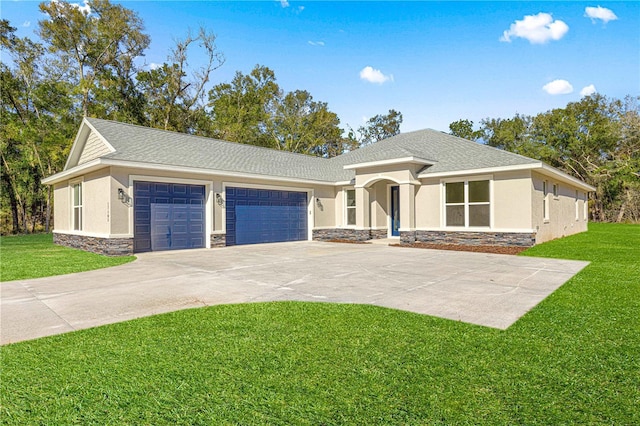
{"points": [[147, 145], [447, 152]]}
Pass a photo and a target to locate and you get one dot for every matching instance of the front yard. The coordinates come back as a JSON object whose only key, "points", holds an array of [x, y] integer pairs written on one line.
{"points": [[574, 359]]}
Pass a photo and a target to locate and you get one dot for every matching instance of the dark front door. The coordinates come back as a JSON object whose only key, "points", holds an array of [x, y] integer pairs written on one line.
{"points": [[265, 216], [168, 216], [395, 211]]}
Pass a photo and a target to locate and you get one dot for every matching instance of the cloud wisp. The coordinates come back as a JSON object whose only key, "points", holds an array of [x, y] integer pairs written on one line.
{"points": [[538, 29], [86, 9], [375, 76], [601, 13], [588, 90], [558, 87], [316, 43]]}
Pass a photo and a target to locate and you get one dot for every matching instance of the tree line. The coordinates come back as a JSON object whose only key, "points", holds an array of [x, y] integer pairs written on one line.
{"points": [[596, 139], [89, 63]]}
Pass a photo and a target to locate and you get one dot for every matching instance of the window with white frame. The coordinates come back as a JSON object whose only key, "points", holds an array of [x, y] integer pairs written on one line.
{"points": [[350, 204], [467, 204], [555, 190], [545, 200], [76, 206], [577, 206]]}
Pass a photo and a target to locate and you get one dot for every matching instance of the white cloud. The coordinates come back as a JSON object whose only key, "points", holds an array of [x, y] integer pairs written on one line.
{"points": [[373, 75], [154, 66], [284, 3], [26, 24], [538, 29], [602, 13], [316, 43], [558, 87], [588, 90]]}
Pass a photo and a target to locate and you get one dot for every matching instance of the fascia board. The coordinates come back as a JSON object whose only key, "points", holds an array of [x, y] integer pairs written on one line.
{"points": [[403, 160], [74, 171], [480, 171]]}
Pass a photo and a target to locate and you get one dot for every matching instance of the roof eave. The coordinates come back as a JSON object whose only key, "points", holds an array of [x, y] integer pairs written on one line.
{"points": [[392, 161]]}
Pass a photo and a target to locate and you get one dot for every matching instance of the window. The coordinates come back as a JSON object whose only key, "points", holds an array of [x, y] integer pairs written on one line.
{"points": [[467, 204], [555, 190], [545, 200], [77, 206], [577, 206], [350, 203]]}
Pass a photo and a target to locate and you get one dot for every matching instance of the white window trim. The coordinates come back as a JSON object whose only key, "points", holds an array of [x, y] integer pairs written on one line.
{"points": [[346, 208], [556, 191], [466, 180], [577, 205], [545, 201], [72, 184], [585, 207]]}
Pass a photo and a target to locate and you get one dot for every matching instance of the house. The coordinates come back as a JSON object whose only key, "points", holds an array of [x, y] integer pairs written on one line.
{"points": [[128, 189]]}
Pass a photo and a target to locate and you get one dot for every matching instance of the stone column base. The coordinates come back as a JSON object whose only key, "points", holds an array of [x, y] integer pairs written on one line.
{"points": [[218, 240], [348, 234]]}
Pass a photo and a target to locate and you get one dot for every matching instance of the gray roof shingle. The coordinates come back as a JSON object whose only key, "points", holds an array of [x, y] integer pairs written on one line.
{"points": [[147, 145], [448, 153]]}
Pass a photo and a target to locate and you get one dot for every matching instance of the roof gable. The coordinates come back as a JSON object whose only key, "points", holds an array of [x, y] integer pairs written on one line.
{"points": [[88, 145]]}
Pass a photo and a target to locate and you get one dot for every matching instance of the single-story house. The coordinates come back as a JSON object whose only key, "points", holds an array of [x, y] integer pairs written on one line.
{"points": [[128, 189]]}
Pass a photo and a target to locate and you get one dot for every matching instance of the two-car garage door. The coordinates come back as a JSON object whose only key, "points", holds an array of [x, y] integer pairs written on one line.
{"points": [[170, 216], [265, 216]]}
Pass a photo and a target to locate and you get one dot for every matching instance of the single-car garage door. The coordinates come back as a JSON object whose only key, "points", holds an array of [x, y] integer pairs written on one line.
{"points": [[168, 216], [265, 216]]}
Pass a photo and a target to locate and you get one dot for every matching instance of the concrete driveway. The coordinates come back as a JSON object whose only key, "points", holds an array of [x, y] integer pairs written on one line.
{"points": [[485, 289]]}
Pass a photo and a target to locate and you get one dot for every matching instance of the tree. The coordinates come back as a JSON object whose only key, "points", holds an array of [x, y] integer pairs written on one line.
{"points": [[98, 49], [241, 110], [174, 100], [464, 129], [302, 125], [35, 114], [380, 127]]}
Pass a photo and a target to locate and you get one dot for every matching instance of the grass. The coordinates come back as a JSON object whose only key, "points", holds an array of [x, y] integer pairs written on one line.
{"points": [[35, 256], [574, 359]]}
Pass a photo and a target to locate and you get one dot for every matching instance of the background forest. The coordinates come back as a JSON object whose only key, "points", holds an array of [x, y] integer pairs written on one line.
{"points": [[92, 64]]}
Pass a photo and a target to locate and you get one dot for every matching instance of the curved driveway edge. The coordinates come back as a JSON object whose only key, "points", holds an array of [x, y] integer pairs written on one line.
{"points": [[485, 289]]}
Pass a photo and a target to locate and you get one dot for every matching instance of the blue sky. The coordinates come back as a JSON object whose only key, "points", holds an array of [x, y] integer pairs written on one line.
{"points": [[436, 62]]}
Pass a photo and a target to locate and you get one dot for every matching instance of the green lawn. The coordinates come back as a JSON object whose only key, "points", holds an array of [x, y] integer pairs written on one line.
{"points": [[574, 359], [35, 256]]}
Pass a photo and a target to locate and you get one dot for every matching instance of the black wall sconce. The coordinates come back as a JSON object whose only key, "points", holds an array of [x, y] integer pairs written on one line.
{"points": [[122, 196], [319, 204], [219, 200]]}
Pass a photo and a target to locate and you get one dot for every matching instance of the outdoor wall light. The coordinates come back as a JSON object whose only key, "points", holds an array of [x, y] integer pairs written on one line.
{"points": [[319, 203], [219, 199], [121, 195]]}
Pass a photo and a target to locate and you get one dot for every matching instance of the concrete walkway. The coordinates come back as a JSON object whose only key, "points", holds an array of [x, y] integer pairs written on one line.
{"points": [[485, 289]]}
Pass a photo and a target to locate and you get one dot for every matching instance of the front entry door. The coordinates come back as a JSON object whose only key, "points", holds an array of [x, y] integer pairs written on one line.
{"points": [[395, 211]]}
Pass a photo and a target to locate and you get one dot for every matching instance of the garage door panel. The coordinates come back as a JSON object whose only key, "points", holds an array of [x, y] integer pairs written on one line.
{"points": [[168, 216], [262, 216]]}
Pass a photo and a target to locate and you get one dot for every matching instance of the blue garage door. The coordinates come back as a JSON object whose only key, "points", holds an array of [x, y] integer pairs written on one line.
{"points": [[168, 216], [265, 216]]}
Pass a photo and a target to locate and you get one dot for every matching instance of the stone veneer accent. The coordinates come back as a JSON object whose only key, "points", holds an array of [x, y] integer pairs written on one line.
{"points": [[106, 246], [348, 234], [218, 240], [502, 239]]}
